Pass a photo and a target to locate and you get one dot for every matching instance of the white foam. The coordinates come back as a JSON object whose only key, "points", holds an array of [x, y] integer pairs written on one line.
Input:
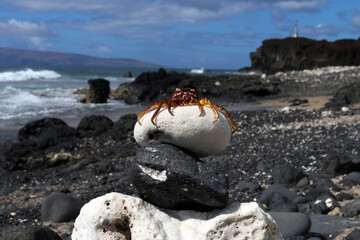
{"points": [[28, 74]]}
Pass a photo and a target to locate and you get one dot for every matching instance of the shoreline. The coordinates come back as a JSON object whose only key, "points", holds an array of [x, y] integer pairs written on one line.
{"points": [[9, 132]]}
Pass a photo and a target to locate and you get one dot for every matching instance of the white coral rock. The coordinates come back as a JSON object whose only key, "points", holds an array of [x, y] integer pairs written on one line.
{"points": [[199, 135], [118, 216]]}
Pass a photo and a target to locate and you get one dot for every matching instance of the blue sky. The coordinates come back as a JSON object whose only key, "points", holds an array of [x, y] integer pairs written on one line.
{"points": [[178, 33]]}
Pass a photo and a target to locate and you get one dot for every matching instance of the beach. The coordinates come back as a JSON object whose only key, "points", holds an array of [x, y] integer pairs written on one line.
{"points": [[275, 133]]}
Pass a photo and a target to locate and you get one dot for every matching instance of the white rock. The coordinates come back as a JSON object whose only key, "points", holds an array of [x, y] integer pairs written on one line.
{"points": [[117, 216], [199, 135]]}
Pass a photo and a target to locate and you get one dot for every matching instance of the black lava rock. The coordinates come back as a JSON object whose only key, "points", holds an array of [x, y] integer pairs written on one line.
{"points": [[31, 233], [60, 207], [331, 226], [94, 125], [46, 132], [99, 90], [168, 177], [353, 177], [292, 224], [344, 162], [346, 95], [354, 235], [351, 209], [287, 175], [123, 126], [279, 199]]}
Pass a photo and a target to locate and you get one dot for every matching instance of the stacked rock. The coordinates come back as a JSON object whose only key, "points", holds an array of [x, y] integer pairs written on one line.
{"points": [[169, 174]]}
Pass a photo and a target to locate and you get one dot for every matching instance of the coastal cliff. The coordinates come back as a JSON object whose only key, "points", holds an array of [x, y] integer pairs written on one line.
{"points": [[302, 53]]}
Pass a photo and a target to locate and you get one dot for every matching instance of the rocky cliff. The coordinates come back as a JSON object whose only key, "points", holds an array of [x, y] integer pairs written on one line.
{"points": [[302, 53]]}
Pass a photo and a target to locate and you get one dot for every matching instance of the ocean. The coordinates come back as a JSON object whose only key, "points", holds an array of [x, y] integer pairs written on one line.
{"points": [[28, 94]]}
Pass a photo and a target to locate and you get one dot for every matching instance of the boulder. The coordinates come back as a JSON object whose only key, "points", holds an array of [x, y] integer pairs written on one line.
{"points": [[60, 207], [94, 125], [150, 87], [168, 177], [99, 90], [199, 135], [123, 126], [346, 95], [118, 216]]}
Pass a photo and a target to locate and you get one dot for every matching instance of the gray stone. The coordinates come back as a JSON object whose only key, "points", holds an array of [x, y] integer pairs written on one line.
{"points": [[351, 209], [331, 226], [353, 177], [287, 175], [292, 224], [170, 178], [279, 199], [60, 207]]}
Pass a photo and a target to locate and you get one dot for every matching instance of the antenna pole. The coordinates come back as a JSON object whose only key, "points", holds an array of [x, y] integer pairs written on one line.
{"points": [[296, 29]]}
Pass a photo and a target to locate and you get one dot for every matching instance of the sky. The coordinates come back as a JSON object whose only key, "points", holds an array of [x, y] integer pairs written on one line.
{"points": [[215, 34]]}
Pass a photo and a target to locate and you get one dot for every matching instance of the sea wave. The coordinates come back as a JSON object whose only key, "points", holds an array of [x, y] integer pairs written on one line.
{"points": [[28, 74]]}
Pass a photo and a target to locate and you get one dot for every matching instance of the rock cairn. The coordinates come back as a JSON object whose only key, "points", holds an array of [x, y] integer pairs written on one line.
{"points": [[176, 187]]}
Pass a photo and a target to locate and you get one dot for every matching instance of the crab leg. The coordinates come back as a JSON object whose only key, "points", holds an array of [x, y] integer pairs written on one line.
{"points": [[165, 102], [214, 107], [141, 114]]}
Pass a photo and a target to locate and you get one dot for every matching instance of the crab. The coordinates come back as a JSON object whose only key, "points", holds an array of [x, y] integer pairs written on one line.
{"points": [[186, 97]]}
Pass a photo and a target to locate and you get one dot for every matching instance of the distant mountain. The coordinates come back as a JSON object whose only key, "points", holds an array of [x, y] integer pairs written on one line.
{"points": [[28, 58]]}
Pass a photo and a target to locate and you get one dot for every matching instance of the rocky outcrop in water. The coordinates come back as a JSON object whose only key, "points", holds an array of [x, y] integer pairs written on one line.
{"points": [[150, 87], [302, 53]]}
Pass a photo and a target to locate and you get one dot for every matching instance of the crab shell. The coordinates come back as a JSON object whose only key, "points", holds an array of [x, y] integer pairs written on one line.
{"points": [[199, 135]]}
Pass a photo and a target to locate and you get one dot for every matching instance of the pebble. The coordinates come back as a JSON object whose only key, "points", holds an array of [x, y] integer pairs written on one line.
{"points": [[279, 199], [60, 207], [353, 177], [351, 209], [292, 224]]}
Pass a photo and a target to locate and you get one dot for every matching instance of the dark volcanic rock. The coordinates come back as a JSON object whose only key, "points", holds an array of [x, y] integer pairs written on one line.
{"points": [[331, 226], [292, 224], [46, 132], [94, 125], [99, 90], [346, 95], [167, 177], [351, 209], [353, 177], [37, 136], [150, 87], [345, 162], [287, 175], [123, 126], [31, 233], [60, 207], [279, 199], [301, 53]]}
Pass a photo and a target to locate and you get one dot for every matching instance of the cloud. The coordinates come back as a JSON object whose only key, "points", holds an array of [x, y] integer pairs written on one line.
{"points": [[320, 31], [312, 5], [23, 28]]}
